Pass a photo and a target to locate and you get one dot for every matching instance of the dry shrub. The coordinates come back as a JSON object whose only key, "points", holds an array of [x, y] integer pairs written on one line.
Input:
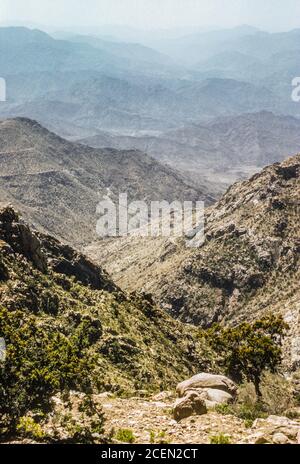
{"points": [[277, 394]]}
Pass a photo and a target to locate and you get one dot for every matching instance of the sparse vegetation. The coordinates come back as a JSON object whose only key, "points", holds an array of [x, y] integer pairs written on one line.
{"points": [[276, 399], [28, 428], [125, 436], [220, 439], [63, 335], [158, 438]]}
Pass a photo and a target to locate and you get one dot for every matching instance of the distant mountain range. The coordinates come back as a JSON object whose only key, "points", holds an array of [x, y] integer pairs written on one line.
{"points": [[84, 84], [243, 53], [26, 50], [225, 150], [57, 184], [212, 120]]}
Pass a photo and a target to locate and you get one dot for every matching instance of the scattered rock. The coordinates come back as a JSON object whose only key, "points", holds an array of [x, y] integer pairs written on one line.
{"points": [[276, 429], [281, 421], [259, 439], [65, 260], [280, 439], [162, 396]]}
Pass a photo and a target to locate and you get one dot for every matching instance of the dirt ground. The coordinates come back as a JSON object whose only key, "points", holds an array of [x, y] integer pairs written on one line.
{"points": [[151, 421]]}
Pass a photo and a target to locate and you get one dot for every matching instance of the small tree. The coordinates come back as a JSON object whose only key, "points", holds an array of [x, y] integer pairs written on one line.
{"points": [[249, 349]]}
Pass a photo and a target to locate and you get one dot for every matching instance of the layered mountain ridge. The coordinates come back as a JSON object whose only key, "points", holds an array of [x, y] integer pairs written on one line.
{"points": [[58, 184], [224, 150]]}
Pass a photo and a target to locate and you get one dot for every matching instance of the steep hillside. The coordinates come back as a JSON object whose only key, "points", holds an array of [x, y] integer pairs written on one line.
{"points": [[67, 326], [58, 184], [247, 267]]}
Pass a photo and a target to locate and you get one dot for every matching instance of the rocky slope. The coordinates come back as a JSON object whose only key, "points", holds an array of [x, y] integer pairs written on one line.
{"points": [[83, 358], [61, 289], [247, 267], [150, 421], [58, 184]]}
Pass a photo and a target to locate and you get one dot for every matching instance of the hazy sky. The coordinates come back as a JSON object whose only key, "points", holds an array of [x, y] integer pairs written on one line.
{"points": [[268, 14]]}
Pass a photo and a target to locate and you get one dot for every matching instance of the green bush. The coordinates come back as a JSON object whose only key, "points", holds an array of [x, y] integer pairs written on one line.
{"points": [[124, 435], [277, 394], [276, 399], [159, 438], [38, 363], [28, 428], [220, 439]]}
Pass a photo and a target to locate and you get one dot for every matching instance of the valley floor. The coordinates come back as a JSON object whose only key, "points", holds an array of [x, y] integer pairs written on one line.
{"points": [[139, 420], [151, 421]]}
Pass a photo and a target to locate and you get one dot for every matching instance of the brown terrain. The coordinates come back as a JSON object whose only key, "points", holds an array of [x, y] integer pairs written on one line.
{"points": [[57, 184], [247, 267]]}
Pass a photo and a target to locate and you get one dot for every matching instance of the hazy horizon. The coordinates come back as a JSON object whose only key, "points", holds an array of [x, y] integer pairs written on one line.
{"points": [[145, 15]]}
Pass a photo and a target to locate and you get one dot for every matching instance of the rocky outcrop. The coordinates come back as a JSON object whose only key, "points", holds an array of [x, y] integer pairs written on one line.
{"points": [[46, 252], [65, 260], [205, 381], [201, 392], [21, 239]]}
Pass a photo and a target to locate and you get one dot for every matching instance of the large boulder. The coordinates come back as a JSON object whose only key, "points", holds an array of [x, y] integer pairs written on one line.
{"points": [[214, 396], [207, 381], [201, 392], [191, 404]]}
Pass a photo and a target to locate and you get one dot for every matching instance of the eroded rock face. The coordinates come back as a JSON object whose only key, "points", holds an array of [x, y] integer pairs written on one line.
{"points": [[65, 260], [21, 239], [44, 251]]}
